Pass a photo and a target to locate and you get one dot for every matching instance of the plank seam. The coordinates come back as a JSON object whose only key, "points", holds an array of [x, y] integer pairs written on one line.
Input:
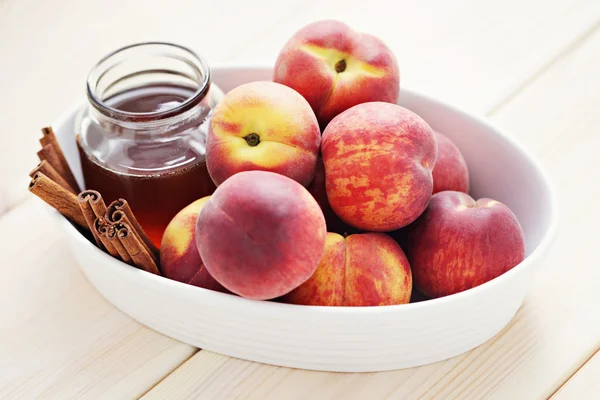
{"points": [[559, 56], [574, 374]]}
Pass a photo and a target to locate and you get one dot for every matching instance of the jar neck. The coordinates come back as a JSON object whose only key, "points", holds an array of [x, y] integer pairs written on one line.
{"points": [[153, 129], [143, 66]]}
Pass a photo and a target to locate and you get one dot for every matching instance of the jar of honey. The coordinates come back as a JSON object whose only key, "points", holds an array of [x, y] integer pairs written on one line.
{"points": [[143, 134]]}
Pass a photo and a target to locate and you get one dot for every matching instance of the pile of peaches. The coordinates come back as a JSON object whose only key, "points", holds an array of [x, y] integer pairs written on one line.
{"points": [[329, 193]]}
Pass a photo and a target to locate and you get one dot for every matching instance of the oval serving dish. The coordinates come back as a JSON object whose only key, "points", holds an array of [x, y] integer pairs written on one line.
{"points": [[353, 339]]}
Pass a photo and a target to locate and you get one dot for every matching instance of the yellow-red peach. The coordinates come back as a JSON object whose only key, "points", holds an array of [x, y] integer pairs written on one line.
{"points": [[378, 160], [179, 257], [261, 234], [335, 68], [319, 192], [450, 171], [368, 269], [459, 243], [263, 126]]}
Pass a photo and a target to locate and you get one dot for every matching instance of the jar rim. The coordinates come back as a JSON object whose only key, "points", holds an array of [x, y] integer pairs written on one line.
{"points": [[128, 116]]}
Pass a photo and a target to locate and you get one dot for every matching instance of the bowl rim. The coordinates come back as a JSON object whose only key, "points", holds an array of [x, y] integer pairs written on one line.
{"points": [[537, 253]]}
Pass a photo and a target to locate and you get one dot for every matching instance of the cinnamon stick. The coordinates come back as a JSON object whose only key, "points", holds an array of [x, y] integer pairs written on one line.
{"points": [[114, 239], [47, 169], [101, 229], [96, 201], [48, 153], [140, 256], [92, 206], [50, 138], [58, 197], [119, 211]]}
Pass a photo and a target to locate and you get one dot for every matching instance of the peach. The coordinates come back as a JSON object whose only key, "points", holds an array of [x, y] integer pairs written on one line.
{"points": [[450, 171], [319, 192], [378, 160], [368, 269], [263, 126], [459, 243], [179, 257], [261, 234], [335, 68]]}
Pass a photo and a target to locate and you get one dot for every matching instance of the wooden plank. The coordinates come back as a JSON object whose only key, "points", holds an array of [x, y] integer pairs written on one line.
{"points": [[585, 384], [554, 332], [58, 337]]}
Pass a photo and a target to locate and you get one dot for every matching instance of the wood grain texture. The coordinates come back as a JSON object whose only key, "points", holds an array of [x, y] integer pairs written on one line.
{"points": [[555, 331], [59, 339], [584, 385]]}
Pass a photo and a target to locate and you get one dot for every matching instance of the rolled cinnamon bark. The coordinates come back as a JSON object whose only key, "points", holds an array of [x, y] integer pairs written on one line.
{"points": [[50, 138], [96, 201], [114, 239], [90, 217], [101, 229], [58, 197], [92, 206], [47, 169], [140, 256], [119, 211]]}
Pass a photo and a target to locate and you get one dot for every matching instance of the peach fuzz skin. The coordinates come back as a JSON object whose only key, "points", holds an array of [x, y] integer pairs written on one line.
{"points": [[459, 243], [367, 269], [263, 126], [378, 160], [335, 68], [261, 234], [319, 192], [450, 171], [179, 257]]}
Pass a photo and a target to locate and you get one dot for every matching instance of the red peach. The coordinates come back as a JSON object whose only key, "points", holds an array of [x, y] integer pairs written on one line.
{"points": [[335, 68], [378, 161], [261, 234], [450, 171], [368, 269], [179, 257], [459, 243]]}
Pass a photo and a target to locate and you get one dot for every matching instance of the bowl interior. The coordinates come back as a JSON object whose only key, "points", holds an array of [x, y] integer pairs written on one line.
{"points": [[499, 167]]}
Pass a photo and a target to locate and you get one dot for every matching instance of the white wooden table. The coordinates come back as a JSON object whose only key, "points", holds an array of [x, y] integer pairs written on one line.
{"points": [[531, 65]]}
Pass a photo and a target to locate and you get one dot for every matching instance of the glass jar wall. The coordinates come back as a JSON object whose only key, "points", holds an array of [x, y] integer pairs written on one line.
{"points": [[143, 135]]}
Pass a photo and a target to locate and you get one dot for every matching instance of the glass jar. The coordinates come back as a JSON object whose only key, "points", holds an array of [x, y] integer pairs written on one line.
{"points": [[143, 134]]}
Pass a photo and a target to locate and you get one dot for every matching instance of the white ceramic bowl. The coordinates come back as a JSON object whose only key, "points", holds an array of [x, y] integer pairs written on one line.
{"points": [[344, 338]]}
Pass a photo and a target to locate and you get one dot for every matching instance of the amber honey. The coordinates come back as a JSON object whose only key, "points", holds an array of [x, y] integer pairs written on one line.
{"points": [[155, 185]]}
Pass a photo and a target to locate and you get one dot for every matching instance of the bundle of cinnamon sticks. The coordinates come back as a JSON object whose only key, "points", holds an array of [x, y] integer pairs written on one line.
{"points": [[114, 228]]}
